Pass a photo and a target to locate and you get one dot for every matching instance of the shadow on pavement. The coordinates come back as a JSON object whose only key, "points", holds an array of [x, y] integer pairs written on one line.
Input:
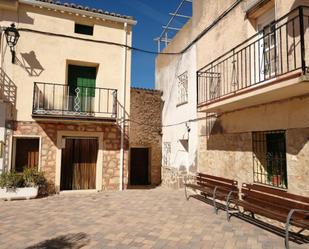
{"points": [[69, 241]]}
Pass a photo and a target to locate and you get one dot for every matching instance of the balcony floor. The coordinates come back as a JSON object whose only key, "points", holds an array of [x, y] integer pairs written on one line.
{"points": [[74, 118], [281, 88]]}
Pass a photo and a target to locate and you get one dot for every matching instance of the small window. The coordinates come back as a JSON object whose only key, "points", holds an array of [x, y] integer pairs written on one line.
{"points": [[183, 88], [83, 29], [269, 158], [166, 154], [25, 153]]}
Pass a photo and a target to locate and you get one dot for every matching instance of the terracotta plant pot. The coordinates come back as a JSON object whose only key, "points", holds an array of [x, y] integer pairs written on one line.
{"points": [[276, 180]]}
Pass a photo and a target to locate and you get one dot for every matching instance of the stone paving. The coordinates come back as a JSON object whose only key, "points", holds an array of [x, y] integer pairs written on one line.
{"points": [[156, 218]]}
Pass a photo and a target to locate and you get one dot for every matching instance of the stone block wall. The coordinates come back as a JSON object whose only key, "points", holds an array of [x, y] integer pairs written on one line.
{"points": [[48, 133], [145, 127], [226, 149], [173, 177]]}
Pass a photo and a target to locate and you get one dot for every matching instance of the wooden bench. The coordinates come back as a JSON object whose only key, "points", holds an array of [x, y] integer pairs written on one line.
{"points": [[276, 204], [217, 188]]}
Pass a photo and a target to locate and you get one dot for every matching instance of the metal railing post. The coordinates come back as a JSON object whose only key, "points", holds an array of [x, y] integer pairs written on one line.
{"points": [[302, 39], [33, 97], [197, 88], [115, 103]]}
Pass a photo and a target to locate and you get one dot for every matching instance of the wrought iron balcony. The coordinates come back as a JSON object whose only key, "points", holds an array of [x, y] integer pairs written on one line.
{"points": [[277, 51], [63, 101]]}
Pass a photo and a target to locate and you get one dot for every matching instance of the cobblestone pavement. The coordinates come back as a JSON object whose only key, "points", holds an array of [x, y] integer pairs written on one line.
{"points": [[157, 218]]}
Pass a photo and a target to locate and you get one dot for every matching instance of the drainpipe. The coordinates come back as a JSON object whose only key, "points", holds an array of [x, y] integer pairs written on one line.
{"points": [[123, 109]]}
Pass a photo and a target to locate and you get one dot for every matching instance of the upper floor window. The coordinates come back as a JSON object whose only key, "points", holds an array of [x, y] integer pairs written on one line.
{"points": [[183, 88], [83, 29], [269, 158]]}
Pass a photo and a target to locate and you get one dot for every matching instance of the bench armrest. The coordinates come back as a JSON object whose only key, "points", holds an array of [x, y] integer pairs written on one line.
{"points": [[288, 221], [230, 192], [299, 211], [230, 195]]}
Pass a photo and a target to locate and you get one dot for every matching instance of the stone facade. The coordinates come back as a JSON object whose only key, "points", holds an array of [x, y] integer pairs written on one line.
{"points": [[173, 177], [145, 127], [48, 133], [226, 149]]}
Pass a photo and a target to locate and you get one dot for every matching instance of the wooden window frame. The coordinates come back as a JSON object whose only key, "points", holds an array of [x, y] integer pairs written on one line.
{"points": [[12, 152]]}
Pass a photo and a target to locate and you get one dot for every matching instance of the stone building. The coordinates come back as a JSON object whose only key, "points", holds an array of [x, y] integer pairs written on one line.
{"points": [[176, 78], [145, 137], [71, 93], [252, 89]]}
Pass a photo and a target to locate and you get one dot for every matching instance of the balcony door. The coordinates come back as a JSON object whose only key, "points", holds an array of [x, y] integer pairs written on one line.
{"points": [[267, 45], [82, 83]]}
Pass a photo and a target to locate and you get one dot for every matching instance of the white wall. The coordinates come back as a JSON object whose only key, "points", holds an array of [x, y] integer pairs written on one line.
{"points": [[167, 81], [2, 130]]}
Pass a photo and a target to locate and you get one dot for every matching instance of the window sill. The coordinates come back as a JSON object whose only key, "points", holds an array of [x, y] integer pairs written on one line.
{"points": [[181, 104]]}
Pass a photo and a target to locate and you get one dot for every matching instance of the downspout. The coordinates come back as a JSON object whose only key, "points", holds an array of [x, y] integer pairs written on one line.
{"points": [[123, 107]]}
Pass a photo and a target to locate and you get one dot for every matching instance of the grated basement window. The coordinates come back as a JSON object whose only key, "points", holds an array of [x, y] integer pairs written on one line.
{"points": [[83, 29], [269, 158]]}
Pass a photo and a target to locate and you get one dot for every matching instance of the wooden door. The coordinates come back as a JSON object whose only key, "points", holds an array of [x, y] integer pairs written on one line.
{"points": [[78, 166], [26, 153], [139, 166]]}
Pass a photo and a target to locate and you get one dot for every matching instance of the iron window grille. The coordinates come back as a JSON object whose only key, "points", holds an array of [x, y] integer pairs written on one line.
{"points": [[269, 158], [183, 88], [166, 154]]}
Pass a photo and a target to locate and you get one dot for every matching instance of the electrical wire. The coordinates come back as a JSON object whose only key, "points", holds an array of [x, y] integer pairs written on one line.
{"points": [[208, 28], [92, 40], [166, 126], [215, 22]]}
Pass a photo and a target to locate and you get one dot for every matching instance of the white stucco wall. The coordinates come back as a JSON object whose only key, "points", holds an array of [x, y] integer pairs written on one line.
{"points": [[2, 130], [174, 117]]}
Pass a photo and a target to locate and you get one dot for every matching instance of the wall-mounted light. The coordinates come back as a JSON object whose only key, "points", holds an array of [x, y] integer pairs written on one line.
{"points": [[12, 35]]}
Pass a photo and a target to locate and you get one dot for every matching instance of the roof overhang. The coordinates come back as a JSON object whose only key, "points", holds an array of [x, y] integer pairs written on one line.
{"points": [[79, 11]]}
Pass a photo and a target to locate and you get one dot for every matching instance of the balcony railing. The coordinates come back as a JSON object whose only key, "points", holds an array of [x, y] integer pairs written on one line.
{"points": [[56, 100], [277, 50]]}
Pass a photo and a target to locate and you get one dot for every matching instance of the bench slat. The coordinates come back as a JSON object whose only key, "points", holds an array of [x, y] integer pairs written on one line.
{"points": [[273, 214], [274, 204], [216, 183], [278, 192], [217, 178], [273, 199]]}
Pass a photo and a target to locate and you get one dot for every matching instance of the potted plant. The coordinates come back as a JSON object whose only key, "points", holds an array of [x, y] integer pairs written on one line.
{"points": [[20, 185]]}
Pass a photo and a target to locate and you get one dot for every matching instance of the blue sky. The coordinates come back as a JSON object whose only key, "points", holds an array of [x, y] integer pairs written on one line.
{"points": [[151, 15]]}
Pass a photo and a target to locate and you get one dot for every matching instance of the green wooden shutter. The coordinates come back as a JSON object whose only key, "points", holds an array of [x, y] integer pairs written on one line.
{"points": [[87, 87]]}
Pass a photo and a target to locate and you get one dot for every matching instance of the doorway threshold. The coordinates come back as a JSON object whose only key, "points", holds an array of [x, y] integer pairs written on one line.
{"points": [[84, 191]]}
